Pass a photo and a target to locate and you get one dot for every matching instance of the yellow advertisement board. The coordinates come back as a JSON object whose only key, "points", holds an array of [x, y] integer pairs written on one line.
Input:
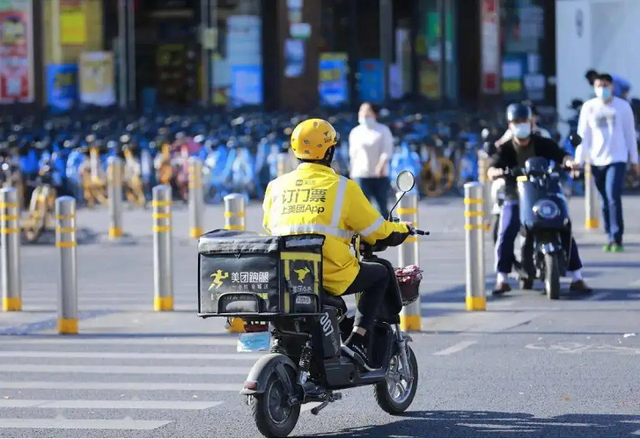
{"points": [[73, 22]]}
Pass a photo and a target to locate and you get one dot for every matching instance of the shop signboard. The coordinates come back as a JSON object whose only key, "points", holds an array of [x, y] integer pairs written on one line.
{"points": [[16, 51], [62, 86], [332, 84]]}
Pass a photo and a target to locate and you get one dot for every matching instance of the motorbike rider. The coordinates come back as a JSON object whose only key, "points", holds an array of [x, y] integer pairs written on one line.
{"points": [[513, 153], [314, 199]]}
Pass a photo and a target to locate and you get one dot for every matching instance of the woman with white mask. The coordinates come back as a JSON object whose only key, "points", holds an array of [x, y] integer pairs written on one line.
{"points": [[370, 151]]}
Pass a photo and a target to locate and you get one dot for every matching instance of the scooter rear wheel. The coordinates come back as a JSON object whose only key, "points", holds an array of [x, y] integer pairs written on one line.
{"points": [[392, 396], [273, 417]]}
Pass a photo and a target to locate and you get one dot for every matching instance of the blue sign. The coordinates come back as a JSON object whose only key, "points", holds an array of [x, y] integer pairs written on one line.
{"points": [[333, 85], [62, 85], [371, 80], [246, 85]]}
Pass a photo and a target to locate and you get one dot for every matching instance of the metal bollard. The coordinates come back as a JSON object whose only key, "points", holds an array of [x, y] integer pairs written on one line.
{"points": [[409, 254], [68, 285], [196, 198], [114, 182], [283, 163], [234, 212], [483, 165], [10, 240], [476, 298], [592, 211], [234, 219], [162, 253]]}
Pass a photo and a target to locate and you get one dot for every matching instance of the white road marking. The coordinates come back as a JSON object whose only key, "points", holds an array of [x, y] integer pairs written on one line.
{"points": [[108, 404], [139, 370], [87, 385], [456, 347], [599, 296], [82, 424], [129, 355], [123, 341], [636, 433]]}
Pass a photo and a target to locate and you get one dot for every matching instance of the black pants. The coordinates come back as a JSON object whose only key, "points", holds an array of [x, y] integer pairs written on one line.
{"points": [[372, 280]]}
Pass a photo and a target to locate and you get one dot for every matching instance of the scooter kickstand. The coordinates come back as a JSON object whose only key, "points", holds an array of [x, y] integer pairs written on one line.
{"points": [[316, 410]]}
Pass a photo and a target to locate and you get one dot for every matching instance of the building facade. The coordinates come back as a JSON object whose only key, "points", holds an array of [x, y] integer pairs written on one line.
{"points": [[275, 54], [599, 35]]}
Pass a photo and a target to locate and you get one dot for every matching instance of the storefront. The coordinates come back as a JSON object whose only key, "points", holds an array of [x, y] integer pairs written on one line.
{"points": [[413, 60], [599, 35], [528, 50]]}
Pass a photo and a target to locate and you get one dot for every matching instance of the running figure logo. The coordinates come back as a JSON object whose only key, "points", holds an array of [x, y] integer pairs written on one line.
{"points": [[302, 273], [218, 277]]}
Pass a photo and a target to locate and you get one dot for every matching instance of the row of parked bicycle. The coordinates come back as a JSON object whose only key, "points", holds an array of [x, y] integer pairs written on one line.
{"points": [[45, 155]]}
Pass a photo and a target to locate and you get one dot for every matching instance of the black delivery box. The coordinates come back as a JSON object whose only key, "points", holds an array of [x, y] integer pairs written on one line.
{"points": [[244, 274]]}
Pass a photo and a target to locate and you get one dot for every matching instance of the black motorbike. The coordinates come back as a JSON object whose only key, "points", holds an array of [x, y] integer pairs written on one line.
{"points": [[544, 218], [307, 324]]}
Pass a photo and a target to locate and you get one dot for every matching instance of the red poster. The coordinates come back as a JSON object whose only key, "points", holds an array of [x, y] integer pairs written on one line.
{"points": [[16, 57], [490, 47]]}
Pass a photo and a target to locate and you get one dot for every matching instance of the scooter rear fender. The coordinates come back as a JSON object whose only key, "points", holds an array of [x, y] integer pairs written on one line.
{"points": [[259, 374]]}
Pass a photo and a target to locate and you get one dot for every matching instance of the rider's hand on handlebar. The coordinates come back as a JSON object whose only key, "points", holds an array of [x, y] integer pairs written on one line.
{"points": [[494, 173], [410, 226], [569, 163]]}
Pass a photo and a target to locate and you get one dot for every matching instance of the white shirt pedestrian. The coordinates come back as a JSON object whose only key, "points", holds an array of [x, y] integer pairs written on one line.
{"points": [[608, 133], [370, 150]]}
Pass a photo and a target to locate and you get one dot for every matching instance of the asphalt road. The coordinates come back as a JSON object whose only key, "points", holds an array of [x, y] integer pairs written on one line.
{"points": [[527, 367]]}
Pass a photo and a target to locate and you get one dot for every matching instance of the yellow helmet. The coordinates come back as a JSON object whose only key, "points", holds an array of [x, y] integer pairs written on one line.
{"points": [[312, 138]]}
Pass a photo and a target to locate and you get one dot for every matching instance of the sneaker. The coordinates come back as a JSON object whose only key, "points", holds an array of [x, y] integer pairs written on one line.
{"points": [[579, 286], [501, 288], [357, 352], [607, 248], [616, 248]]}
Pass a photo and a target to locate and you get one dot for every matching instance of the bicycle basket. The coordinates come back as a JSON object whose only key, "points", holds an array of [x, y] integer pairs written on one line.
{"points": [[409, 281]]}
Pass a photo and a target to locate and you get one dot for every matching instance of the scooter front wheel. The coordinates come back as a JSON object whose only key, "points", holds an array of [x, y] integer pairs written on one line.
{"points": [[396, 393], [271, 412], [552, 276]]}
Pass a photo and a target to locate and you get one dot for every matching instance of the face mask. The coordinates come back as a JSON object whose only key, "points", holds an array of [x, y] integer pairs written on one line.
{"points": [[603, 93], [521, 130], [368, 121]]}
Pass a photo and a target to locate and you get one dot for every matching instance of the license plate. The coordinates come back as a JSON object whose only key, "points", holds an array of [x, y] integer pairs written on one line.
{"points": [[254, 342]]}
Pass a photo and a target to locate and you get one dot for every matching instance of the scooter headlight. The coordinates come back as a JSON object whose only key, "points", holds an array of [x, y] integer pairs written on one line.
{"points": [[546, 209]]}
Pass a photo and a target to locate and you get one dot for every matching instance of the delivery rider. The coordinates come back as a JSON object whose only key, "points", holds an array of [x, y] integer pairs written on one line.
{"points": [[314, 199]]}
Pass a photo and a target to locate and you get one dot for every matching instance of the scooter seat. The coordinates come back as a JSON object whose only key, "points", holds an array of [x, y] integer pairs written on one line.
{"points": [[333, 301]]}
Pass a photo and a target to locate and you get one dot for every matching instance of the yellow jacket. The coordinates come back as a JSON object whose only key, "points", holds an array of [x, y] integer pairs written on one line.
{"points": [[314, 199]]}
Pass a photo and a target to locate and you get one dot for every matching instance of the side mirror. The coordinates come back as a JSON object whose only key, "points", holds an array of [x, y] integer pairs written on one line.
{"points": [[405, 181], [575, 140]]}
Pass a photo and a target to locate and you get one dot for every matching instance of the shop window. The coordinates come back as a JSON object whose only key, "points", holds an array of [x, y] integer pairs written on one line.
{"points": [[429, 48], [236, 73], [523, 40]]}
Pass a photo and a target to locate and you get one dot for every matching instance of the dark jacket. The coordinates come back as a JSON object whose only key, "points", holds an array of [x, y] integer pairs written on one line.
{"points": [[507, 155]]}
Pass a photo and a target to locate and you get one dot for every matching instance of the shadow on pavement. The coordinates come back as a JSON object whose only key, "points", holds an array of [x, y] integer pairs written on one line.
{"points": [[496, 424]]}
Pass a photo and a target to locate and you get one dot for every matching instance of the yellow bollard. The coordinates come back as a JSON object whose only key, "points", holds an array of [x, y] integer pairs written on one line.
{"points": [[10, 239], [408, 254], [162, 251], [476, 298], [68, 280], [592, 211], [483, 165], [234, 219], [196, 198]]}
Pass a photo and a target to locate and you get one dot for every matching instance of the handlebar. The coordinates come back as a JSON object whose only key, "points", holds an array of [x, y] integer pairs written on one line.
{"points": [[517, 172], [413, 231]]}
